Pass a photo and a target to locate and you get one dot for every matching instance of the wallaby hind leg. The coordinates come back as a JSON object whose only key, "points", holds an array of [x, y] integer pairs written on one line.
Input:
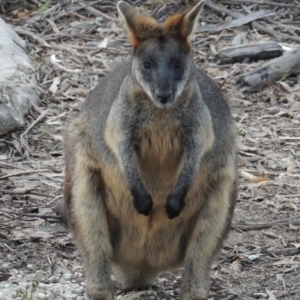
{"points": [[134, 280], [212, 227], [89, 224]]}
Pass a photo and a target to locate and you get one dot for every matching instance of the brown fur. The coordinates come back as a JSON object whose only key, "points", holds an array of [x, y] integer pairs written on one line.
{"points": [[109, 231], [141, 27]]}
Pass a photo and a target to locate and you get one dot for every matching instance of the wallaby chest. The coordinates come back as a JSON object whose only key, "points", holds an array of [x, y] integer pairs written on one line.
{"points": [[159, 152]]}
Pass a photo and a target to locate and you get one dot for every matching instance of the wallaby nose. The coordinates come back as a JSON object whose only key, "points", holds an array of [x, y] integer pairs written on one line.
{"points": [[163, 97]]}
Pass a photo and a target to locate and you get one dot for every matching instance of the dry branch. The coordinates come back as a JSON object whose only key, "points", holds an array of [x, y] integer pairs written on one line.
{"points": [[248, 227], [253, 52], [272, 71], [256, 24], [260, 2], [285, 252], [241, 20]]}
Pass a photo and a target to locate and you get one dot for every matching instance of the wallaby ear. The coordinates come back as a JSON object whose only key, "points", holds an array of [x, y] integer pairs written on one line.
{"points": [[139, 27], [184, 24]]}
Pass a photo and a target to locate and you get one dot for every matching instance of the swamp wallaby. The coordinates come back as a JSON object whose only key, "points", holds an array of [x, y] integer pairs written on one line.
{"points": [[150, 180]]}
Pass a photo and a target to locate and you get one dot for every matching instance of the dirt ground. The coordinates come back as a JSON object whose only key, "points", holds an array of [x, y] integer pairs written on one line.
{"points": [[71, 45]]}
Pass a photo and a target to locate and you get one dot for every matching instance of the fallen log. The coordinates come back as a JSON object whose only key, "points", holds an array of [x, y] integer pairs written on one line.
{"points": [[253, 52], [270, 72]]}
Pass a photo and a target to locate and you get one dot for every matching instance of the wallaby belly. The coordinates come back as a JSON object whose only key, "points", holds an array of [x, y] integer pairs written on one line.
{"points": [[151, 242]]}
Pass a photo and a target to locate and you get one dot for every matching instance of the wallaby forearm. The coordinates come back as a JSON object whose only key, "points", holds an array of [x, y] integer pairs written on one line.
{"points": [[142, 200], [190, 166]]}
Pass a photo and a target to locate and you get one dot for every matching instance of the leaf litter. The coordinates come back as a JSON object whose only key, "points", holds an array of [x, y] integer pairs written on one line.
{"points": [[72, 43]]}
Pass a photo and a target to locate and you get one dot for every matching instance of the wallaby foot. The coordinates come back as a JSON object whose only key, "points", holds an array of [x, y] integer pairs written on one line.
{"points": [[61, 210], [134, 280], [99, 295]]}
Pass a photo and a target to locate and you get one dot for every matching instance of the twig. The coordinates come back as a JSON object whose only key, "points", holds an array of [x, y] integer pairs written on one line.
{"points": [[53, 200], [247, 227], [25, 192], [276, 4], [75, 9], [24, 172], [76, 71], [22, 140], [98, 13], [41, 41], [256, 24], [286, 252], [37, 216], [8, 247], [12, 166]]}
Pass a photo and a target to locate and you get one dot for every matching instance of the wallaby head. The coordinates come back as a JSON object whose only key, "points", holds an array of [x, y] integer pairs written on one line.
{"points": [[161, 62]]}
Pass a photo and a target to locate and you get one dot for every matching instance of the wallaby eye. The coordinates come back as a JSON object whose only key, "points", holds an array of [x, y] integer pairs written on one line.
{"points": [[177, 65], [146, 65]]}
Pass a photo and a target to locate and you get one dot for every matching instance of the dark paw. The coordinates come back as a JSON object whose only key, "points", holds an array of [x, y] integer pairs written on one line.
{"points": [[142, 202], [174, 205]]}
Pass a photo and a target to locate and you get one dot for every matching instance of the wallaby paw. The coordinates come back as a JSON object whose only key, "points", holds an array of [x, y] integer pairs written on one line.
{"points": [[101, 295], [174, 205], [142, 202]]}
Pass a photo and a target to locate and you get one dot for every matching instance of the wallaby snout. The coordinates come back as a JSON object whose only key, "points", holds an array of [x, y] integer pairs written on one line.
{"points": [[163, 92], [163, 97]]}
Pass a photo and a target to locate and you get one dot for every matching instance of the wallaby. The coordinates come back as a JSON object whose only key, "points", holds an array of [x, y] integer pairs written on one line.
{"points": [[150, 179]]}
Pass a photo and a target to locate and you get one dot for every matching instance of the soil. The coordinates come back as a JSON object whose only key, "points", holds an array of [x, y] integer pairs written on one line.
{"points": [[38, 259]]}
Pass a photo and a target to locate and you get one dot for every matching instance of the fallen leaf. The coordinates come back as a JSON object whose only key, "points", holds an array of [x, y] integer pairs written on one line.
{"points": [[17, 146], [271, 295], [54, 59], [253, 178], [4, 277], [23, 14], [286, 86], [295, 107], [293, 168], [103, 44], [236, 265], [54, 86]]}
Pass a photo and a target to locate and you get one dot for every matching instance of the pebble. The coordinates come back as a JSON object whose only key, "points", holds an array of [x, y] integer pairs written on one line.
{"points": [[69, 296], [31, 267], [68, 276], [40, 296], [53, 279], [40, 274], [78, 291], [11, 257], [4, 267]]}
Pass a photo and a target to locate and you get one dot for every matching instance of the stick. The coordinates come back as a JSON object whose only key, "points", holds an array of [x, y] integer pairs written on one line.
{"points": [[25, 192], [53, 200], [241, 20], [254, 52], [24, 172], [22, 139], [276, 4], [98, 13], [286, 252], [257, 25], [248, 227], [37, 216], [270, 72], [41, 41]]}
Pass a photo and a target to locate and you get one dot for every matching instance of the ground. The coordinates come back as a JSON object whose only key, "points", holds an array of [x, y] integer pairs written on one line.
{"points": [[71, 44]]}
